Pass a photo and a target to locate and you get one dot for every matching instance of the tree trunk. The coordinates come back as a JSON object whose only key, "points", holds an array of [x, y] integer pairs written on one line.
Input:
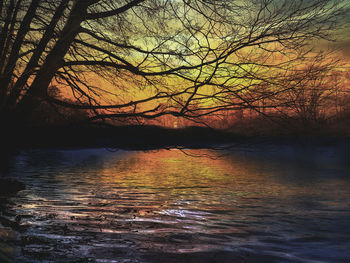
{"points": [[8, 39], [12, 60], [33, 62], [38, 89], [1, 5], [4, 31]]}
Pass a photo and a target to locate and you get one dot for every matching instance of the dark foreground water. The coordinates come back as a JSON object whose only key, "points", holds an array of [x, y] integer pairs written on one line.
{"points": [[288, 204]]}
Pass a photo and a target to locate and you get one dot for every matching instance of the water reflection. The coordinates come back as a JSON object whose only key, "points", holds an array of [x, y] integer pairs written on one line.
{"points": [[284, 205]]}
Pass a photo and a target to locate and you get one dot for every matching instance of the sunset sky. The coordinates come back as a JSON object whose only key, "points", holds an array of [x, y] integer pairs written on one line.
{"points": [[185, 59]]}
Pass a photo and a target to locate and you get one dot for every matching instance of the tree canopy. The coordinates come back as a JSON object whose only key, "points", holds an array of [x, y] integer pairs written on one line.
{"points": [[144, 59]]}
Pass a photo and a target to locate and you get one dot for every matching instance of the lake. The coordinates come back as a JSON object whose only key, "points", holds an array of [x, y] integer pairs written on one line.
{"points": [[263, 204]]}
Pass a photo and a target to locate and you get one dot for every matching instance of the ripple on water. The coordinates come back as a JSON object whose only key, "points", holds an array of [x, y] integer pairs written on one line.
{"points": [[164, 206]]}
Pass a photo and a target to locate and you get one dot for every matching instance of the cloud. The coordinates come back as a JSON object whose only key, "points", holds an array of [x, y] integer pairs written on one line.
{"points": [[343, 45]]}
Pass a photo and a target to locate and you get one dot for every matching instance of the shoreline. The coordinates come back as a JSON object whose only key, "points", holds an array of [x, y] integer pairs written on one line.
{"points": [[8, 188], [150, 137]]}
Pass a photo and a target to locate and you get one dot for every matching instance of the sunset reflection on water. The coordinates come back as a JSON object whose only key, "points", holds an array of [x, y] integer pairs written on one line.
{"points": [[139, 206]]}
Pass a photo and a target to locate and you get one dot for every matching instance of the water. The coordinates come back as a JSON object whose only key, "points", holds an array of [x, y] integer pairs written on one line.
{"points": [[278, 205]]}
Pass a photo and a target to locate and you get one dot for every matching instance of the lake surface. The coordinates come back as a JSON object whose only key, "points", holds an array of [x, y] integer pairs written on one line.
{"points": [[282, 204]]}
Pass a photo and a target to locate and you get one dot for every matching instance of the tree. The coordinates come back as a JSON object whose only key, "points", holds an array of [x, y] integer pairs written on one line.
{"points": [[197, 57]]}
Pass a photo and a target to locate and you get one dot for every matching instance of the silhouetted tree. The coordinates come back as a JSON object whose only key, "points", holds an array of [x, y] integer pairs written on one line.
{"points": [[198, 57]]}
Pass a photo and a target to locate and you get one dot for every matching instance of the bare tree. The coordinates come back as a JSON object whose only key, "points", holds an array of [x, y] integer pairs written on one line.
{"points": [[184, 58]]}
